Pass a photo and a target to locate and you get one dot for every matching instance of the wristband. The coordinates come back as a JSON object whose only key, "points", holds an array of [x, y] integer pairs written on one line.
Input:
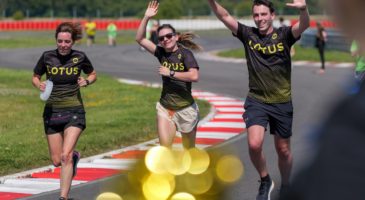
{"points": [[87, 82]]}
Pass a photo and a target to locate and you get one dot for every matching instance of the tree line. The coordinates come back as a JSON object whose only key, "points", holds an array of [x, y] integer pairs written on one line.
{"points": [[19, 9]]}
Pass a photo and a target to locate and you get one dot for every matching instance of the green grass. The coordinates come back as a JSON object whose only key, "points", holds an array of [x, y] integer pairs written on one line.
{"points": [[310, 54], [27, 39], [117, 115]]}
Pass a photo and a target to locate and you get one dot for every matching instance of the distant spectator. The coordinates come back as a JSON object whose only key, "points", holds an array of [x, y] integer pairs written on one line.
{"points": [[321, 39], [90, 29], [359, 62], [112, 34]]}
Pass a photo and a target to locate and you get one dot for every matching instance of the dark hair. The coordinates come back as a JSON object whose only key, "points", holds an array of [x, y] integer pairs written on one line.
{"points": [[185, 39], [266, 3], [69, 27]]}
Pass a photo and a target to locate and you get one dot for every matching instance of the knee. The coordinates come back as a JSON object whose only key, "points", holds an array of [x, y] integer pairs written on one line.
{"points": [[284, 153], [255, 147], [66, 158], [56, 161]]}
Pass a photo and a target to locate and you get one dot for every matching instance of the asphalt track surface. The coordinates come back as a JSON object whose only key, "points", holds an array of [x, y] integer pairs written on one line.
{"points": [[313, 97]]}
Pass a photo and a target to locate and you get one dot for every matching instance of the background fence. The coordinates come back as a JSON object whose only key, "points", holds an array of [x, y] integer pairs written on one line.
{"points": [[336, 40]]}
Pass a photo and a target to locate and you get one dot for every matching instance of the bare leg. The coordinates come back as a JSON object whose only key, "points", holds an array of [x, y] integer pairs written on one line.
{"points": [[71, 136], [189, 139], [166, 131], [285, 158], [55, 142], [255, 141]]}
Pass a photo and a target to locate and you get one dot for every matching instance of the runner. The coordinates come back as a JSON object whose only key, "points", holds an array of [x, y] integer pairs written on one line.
{"points": [[269, 98], [176, 109], [359, 62], [64, 114], [90, 29], [112, 34]]}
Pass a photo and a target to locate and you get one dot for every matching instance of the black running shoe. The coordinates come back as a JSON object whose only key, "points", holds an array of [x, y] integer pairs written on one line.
{"points": [[266, 187], [75, 160]]}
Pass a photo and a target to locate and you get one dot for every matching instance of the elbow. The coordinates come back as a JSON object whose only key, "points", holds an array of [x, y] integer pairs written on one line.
{"points": [[195, 78], [138, 40]]}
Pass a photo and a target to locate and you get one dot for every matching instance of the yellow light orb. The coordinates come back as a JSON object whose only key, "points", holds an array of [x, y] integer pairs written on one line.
{"points": [[229, 169], [179, 162], [158, 187], [109, 196], [157, 159], [182, 196], [198, 184], [199, 161]]}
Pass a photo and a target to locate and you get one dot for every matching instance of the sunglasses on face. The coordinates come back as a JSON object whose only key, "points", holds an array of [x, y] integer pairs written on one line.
{"points": [[168, 36]]}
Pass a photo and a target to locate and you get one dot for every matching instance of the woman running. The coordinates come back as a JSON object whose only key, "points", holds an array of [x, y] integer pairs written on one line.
{"points": [[64, 114], [176, 109]]}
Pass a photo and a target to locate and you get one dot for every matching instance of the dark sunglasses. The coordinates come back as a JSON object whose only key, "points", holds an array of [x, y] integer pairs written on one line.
{"points": [[168, 36]]}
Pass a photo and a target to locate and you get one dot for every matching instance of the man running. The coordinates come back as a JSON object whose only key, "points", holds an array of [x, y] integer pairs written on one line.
{"points": [[269, 98]]}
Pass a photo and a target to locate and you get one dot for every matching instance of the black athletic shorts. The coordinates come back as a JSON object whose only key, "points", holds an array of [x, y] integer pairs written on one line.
{"points": [[56, 121], [278, 115]]}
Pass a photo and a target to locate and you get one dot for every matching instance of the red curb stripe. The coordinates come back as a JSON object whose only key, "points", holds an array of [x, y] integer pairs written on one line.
{"points": [[221, 129], [130, 154], [209, 141], [83, 174], [226, 120], [11, 195]]}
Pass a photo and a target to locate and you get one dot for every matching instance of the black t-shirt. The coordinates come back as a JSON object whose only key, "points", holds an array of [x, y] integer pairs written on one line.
{"points": [[176, 94], [268, 62], [64, 71]]}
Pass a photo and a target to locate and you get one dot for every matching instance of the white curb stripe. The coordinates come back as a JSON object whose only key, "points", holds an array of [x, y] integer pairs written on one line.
{"points": [[203, 94], [231, 109], [102, 166], [227, 103], [217, 98], [225, 124], [228, 116], [218, 135]]}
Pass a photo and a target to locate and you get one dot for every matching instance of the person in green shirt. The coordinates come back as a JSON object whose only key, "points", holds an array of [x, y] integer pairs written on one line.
{"points": [[359, 61], [112, 34]]}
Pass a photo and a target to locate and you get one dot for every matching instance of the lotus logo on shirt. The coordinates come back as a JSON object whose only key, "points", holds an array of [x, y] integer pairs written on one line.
{"points": [[75, 60], [274, 36], [269, 49], [62, 70]]}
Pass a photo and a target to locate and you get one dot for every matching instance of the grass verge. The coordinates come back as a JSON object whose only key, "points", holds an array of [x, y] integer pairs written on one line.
{"points": [[27, 39], [117, 115], [309, 54]]}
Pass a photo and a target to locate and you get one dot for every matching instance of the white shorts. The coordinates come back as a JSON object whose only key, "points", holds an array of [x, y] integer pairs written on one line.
{"points": [[185, 119]]}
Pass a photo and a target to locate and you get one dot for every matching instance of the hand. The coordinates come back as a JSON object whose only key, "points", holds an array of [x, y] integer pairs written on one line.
{"points": [[299, 4], [152, 9], [164, 71], [42, 86], [82, 82]]}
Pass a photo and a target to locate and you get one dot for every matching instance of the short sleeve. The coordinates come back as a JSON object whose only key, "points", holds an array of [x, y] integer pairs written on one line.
{"points": [[158, 52], [189, 60], [242, 32], [87, 67], [40, 67], [289, 35]]}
